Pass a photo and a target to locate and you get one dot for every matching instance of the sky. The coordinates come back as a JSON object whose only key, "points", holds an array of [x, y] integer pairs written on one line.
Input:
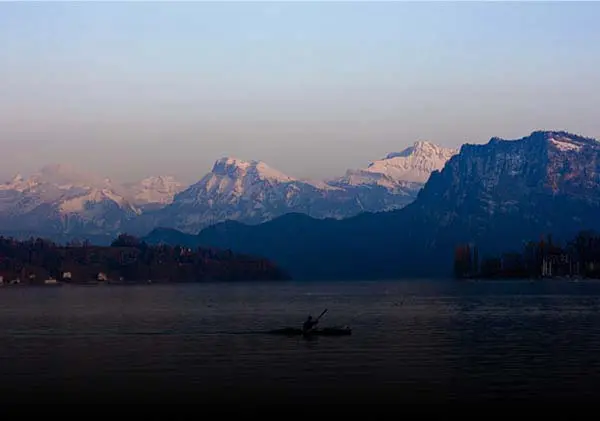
{"points": [[131, 89]]}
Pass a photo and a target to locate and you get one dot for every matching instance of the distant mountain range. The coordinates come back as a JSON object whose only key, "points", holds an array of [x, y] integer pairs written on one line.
{"points": [[61, 203], [497, 195]]}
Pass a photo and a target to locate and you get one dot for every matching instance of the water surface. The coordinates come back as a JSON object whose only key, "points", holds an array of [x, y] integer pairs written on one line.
{"points": [[434, 340]]}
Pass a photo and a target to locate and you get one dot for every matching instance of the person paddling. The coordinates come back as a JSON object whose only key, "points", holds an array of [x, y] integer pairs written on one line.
{"points": [[309, 324]]}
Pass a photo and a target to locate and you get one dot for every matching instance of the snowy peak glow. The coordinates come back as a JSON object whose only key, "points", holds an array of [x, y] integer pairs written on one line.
{"points": [[411, 165], [236, 168]]}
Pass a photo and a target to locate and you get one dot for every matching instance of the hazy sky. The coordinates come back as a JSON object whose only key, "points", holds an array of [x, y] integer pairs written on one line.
{"points": [[133, 89]]}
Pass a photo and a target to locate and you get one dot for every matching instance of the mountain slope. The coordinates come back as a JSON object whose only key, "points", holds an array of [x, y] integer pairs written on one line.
{"points": [[497, 195]]}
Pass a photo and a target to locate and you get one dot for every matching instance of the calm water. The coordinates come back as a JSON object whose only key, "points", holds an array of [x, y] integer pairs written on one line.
{"points": [[439, 340]]}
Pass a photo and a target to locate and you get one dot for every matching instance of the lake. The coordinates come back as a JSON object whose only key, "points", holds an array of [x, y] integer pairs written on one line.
{"points": [[439, 341]]}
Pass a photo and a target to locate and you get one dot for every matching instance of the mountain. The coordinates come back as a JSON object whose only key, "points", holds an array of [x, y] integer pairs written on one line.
{"points": [[249, 191], [61, 196], [154, 192], [497, 195], [413, 165], [61, 201], [252, 192]]}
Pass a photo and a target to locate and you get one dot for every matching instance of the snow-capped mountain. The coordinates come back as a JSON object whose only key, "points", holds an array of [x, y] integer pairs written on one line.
{"points": [[414, 164], [408, 168], [233, 180], [252, 192], [249, 191], [154, 191], [61, 199]]}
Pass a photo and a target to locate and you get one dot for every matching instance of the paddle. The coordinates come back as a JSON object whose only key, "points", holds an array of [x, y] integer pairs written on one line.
{"points": [[321, 315]]}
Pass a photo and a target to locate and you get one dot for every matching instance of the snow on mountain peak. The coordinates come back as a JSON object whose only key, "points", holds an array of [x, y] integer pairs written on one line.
{"points": [[18, 183], [425, 149], [565, 145], [232, 162], [238, 168], [233, 180], [67, 191], [155, 190], [413, 164], [18, 178], [566, 142], [555, 141], [79, 203]]}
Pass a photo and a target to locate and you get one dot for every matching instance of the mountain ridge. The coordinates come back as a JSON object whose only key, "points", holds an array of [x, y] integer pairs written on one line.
{"points": [[253, 192], [497, 195], [76, 203]]}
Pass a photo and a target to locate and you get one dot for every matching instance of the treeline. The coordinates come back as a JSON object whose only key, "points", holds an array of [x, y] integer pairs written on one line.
{"points": [[578, 257], [127, 259]]}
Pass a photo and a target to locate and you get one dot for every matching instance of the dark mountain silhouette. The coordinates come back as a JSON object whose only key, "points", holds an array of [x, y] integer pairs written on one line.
{"points": [[498, 195]]}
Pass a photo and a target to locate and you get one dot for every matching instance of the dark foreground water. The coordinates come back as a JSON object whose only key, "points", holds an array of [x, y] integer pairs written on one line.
{"points": [[412, 341]]}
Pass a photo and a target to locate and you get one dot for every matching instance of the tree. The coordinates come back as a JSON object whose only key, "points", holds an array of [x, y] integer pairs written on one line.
{"points": [[125, 240]]}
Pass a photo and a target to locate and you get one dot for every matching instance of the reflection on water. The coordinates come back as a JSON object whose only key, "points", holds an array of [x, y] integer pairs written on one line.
{"points": [[415, 339]]}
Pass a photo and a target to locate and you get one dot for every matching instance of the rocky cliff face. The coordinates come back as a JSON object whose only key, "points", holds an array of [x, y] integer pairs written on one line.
{"points": [[506, 192], [506, 177]]}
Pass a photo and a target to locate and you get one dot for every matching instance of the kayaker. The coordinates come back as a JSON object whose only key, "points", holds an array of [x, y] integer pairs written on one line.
{"points": [[309, 324]]}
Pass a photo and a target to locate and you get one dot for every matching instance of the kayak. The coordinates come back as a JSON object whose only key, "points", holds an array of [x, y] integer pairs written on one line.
{"points": [[327, 331]]}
